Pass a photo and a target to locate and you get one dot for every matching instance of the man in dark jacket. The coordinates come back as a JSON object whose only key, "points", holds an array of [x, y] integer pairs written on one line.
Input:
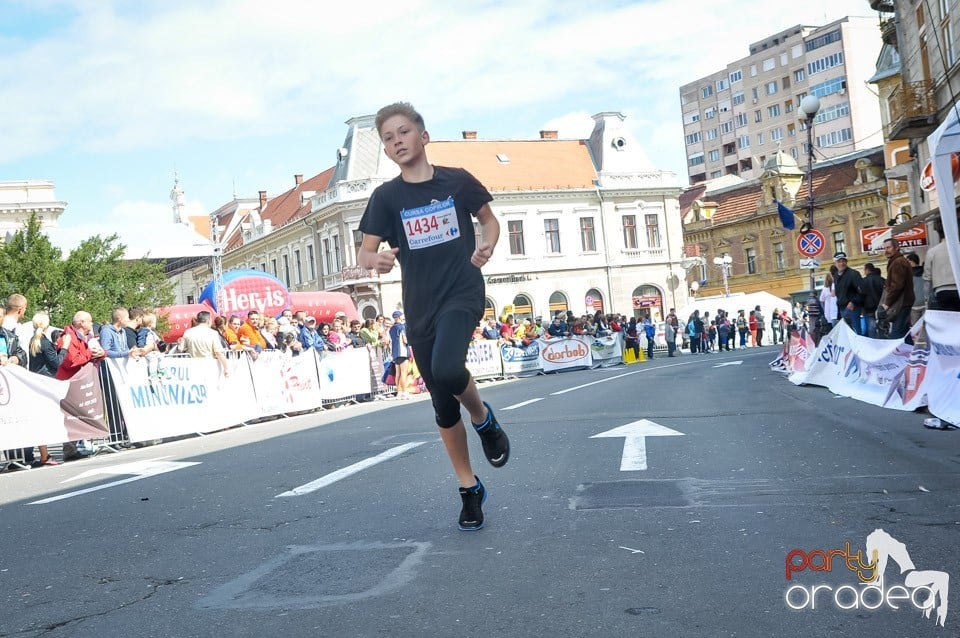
{"points": [[13, 354], [846, 285], [872, 288], [898, 294]]}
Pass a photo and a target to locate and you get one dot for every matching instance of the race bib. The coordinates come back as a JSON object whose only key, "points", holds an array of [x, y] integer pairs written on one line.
{"points": [[431, 225]]}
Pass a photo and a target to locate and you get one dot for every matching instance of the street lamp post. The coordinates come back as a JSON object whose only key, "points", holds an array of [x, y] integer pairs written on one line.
{"points": [[809, 106], [724, 263]]}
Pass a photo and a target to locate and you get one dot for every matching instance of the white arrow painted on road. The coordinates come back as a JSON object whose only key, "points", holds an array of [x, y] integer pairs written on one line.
{"points": [[728, 363], [635, 441], [139, 470]]}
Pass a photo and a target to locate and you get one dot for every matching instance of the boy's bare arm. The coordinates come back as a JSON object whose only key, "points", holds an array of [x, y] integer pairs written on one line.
{"points": [[489, 235], [372, 258]]}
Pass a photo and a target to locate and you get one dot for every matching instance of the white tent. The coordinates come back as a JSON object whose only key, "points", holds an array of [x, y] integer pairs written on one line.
{"points": [[943, 143], [738, 301]]}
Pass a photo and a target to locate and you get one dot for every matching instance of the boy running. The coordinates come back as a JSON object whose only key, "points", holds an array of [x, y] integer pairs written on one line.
{"points": [[424, 215]]}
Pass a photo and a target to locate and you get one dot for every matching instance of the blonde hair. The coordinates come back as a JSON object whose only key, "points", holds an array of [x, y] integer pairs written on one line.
{"points": [[41, 321], [399, 108], [149, 320]]}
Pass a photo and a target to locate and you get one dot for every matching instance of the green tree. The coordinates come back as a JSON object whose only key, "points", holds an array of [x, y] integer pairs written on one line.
{"points": [[95, 277], [33, 267], [98, 278]]}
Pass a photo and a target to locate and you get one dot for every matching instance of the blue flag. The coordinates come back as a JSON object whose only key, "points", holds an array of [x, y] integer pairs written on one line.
{"points": [[786, 216]]}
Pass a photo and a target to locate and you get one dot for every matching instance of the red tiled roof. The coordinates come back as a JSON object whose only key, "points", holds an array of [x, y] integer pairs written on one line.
{"points": [[523, 164], [286, 207]]}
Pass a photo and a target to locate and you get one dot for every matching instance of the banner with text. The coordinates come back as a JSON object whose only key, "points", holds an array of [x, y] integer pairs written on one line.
{"points": [[606, 351], [40, 410], [563, 353], [483, 359], [285, 383], [521, 361], [182, 396]]}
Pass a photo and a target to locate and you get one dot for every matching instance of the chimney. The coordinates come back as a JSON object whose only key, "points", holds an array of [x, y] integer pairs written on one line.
{"points": [[469, 135], [548, 135], [298, 179], [263, 200]]}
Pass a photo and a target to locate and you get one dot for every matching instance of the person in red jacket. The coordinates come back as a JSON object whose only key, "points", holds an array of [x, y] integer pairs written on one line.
{"points": [[81, 344]]}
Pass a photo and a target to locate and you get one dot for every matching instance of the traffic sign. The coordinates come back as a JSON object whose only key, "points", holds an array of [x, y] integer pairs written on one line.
{"points": [[811, 264], [811, 243]]}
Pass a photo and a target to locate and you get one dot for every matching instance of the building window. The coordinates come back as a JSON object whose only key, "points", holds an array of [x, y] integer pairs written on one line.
{"points": [[726, 127], [311, 263], [551, 228], [710, 113], [759, 139], [723, 84], [740, 119], [753, 70], [714, 155], [839, 242], [263, 266], [327, 256], [273, 267], [693, 138], [558, 303], [588, 240], [515, 230], [758, 116], [774, 110], [707, 91], [778, 256], [788, 106], [743, 141], [752, 261], [336, 253], [716, 174], [298, 266], [828, 62], [799, 75], [834, 138], [629, 231], [739, 98], [357, 241], [771, 87], [769, 64], [695, 159], [286, 270], [736, 76], [712, 134], [776, 134], [829, 87], [653, 231], [823, 40], [832, 112]]}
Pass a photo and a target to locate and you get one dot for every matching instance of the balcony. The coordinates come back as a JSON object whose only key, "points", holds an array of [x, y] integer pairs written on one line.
{"points": [[913, 111], [883, 6], [349, 276]]}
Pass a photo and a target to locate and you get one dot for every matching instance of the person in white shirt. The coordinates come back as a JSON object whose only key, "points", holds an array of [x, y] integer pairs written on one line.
{"points": [[203, 342], [828, 299], [938, 276]]}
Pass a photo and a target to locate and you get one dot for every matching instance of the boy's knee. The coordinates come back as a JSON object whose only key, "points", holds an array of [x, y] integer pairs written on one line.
{"points": [[451, 376]]}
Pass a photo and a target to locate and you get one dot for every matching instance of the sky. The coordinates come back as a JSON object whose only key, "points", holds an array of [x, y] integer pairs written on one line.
{"points": [[108, 98]]}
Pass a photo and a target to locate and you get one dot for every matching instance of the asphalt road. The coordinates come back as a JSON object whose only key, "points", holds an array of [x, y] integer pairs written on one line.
{"points": [[193, 538]]}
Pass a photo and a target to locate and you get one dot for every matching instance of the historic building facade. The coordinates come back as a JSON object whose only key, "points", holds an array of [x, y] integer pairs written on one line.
{"points": [[585, 226], [741, 222]]}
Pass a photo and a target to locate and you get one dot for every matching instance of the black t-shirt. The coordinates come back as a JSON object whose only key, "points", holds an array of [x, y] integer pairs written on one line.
{"points": [[432, 224]]}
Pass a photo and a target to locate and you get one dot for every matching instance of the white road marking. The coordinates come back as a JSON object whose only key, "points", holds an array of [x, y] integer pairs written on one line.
{"points": [[728, 363], [520, 405], [635, 441], [333, 477], [632, 551], [139, 469]]}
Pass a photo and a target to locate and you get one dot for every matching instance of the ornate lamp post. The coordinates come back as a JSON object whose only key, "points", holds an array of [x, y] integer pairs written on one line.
{"points": [[808, 108], [724, 263]]}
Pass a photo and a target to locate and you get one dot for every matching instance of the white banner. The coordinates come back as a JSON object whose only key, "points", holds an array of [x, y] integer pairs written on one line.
{"points": [[563, 353], [893, 373], [607, 351], [40, 410], [182, 396], [521, 362], [483, 359], [344, 374], [284, 383]]}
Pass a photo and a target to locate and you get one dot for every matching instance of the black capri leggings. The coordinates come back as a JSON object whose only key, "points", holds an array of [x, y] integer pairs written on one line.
{"points": [[442, 362]]}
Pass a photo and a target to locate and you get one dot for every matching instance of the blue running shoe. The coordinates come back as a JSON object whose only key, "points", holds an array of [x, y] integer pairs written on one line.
{"points": [[471, 516], [496, 445]]}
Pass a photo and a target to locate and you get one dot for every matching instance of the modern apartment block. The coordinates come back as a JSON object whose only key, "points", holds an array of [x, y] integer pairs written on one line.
{"points": [[737, 118]]}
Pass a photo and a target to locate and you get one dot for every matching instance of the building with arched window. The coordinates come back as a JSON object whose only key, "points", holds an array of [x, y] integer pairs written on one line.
{"points": [[584, 223]]}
